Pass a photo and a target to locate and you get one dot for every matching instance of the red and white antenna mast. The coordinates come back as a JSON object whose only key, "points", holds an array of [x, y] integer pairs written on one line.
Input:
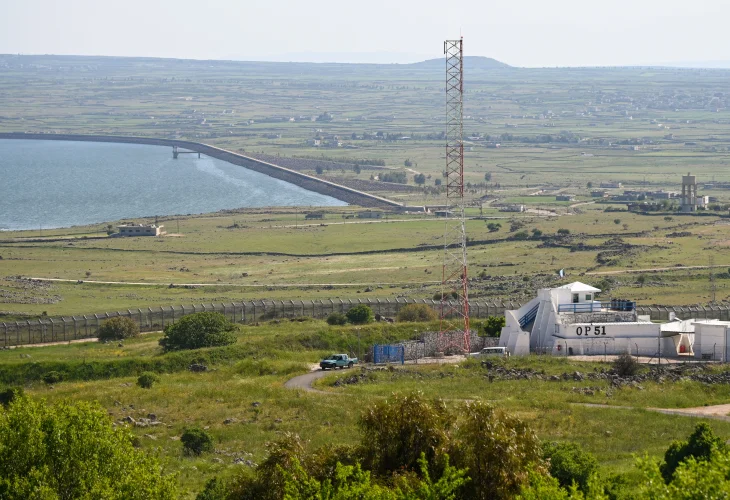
{"points": [[454, 334]]}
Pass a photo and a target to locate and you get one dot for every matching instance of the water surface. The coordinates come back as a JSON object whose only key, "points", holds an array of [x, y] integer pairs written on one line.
{"points": [[52, 184]]}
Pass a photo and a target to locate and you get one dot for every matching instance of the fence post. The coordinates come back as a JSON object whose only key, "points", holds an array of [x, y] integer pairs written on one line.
{"points": [[64, 328], [5, 334]]}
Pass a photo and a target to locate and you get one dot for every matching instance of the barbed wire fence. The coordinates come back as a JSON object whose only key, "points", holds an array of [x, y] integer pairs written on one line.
{"points": [[68, 328]]}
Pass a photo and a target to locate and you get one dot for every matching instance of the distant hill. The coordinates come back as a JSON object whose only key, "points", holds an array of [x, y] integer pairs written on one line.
{"points": [[470, 63]]}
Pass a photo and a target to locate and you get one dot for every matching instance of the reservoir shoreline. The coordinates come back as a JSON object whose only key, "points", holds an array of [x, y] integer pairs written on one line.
{"points": [[310, 183]]}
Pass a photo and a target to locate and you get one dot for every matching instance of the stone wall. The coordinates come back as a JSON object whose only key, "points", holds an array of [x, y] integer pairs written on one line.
{"points": [[428, 345]]}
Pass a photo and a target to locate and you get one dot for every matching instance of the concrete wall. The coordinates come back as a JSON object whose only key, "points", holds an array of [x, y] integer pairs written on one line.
{"points": [[711, 341]]}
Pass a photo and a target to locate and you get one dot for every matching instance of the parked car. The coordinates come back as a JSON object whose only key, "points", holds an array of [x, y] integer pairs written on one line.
{"points": [[492, 352], [337, 361]]}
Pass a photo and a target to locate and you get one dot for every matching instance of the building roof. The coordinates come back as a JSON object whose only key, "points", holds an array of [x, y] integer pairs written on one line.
{"points": [[577, 286]]}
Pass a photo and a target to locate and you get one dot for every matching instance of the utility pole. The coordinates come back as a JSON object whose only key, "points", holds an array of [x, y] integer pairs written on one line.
{"points": [[713, 285]]}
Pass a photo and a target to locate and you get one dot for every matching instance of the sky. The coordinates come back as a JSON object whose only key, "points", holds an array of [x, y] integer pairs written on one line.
{"points": [[528, 33]]}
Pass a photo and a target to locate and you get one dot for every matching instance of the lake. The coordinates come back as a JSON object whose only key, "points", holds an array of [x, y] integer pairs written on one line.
{"points": [[49, 184]]}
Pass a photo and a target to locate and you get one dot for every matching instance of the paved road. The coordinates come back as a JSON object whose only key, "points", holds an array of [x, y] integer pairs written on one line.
{"points": [[676, 268], [305, 381]]}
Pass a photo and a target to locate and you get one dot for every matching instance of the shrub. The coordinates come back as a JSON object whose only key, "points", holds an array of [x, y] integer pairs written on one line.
{"points": [[73, 451], [204, 329], [700, 445], [396, 432], [118, 328], [416, 312], [360, 315], [626, 365], [570, 464], [493, 326], [10, 394], [497, 449], [196, 441], [147, 379], [522, 235], [53, 377], [336, 319], [494, 227], [563, 232]]}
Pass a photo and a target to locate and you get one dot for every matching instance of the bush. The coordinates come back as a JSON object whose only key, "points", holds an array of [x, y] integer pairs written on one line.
{"points": [[493, 326], [497, 449], [10, 394], [53, 377], [204, 329], [416, 312], [396, 432], [147, 380], [73, 451], [336, 319], [118, 328], [563, 232], [522, 235], [626, 365], [700, 446], [570, 464], [361, 314], [196, 441]]}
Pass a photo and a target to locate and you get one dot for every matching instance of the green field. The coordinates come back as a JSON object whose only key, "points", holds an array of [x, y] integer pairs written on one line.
{"points": [[254, 370]]}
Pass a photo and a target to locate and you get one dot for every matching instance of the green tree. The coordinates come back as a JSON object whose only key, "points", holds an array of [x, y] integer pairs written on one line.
{"points": [[408, 162], [203, 329], [493, 326], [700, 445], [536, 233], [494, 227], [617, 221], [319, 170], [522, 235], [396, 432], [118, 328], [360, 315], [589, 185], [437, 182], [498, 450], [641, 279], [569, 464], [416, 312], [68, 451], [419, 179], [563, 232]]}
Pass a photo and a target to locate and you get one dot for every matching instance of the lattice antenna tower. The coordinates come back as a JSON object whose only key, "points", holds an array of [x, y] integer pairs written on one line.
{"points": [[454, 332]]}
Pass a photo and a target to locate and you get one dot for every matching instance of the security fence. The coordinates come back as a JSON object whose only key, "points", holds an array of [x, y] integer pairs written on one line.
{"points": [[67, 328], [149, 319]]}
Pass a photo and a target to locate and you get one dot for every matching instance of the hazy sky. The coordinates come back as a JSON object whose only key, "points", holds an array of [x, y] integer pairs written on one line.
{"points": [[518, 32]]}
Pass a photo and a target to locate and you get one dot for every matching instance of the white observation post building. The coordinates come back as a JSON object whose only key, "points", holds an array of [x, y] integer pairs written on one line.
{"points": [[569, 320]]}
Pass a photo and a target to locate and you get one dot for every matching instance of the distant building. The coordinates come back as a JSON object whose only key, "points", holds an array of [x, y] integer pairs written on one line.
{"points": [[512, 208], [140, 230], [662, 195], [611, 185], [443, 213], [598, 194], [370, 214], [565, 197]]}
